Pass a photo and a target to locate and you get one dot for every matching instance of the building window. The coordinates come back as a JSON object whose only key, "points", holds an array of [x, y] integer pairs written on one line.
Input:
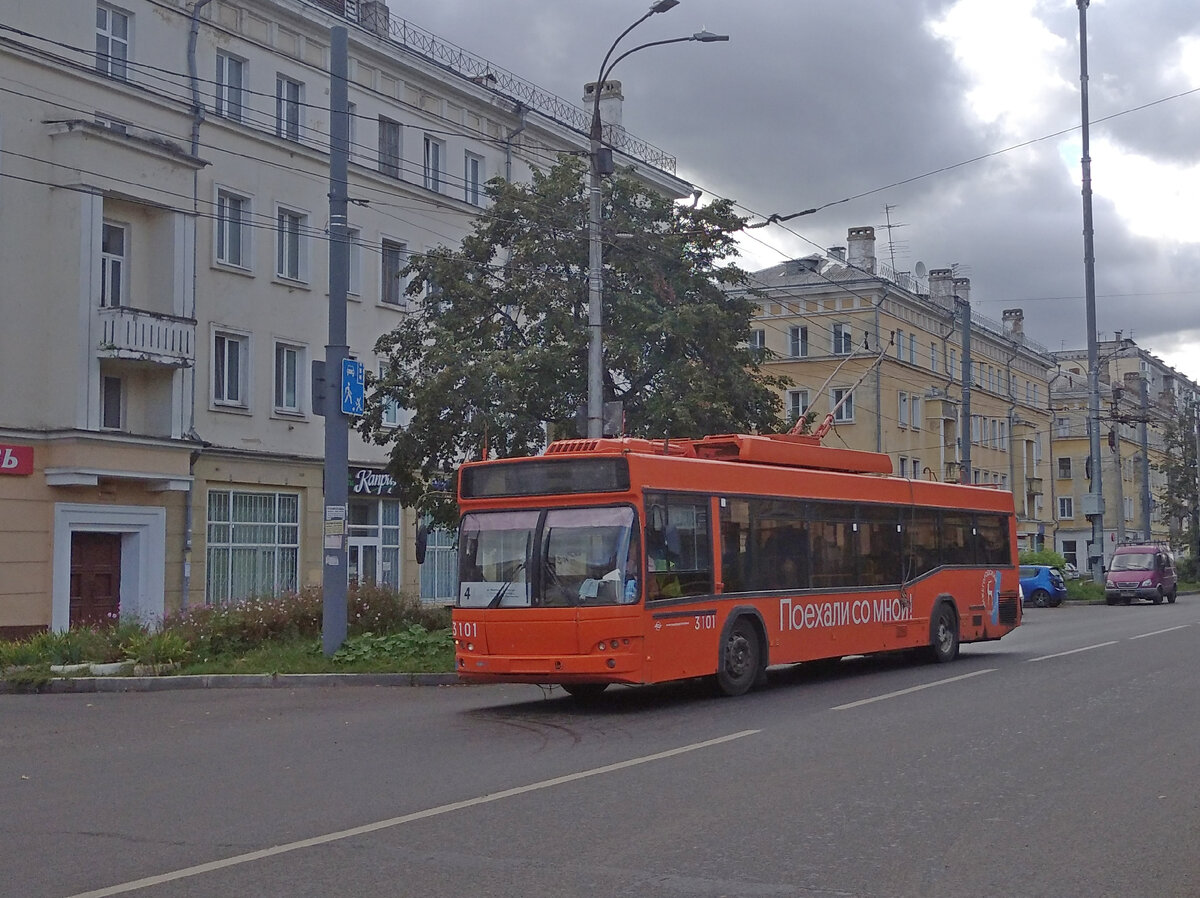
{"points": [[1062, 427], [290, 245], [473, 179], [112, 42], [902, 466], [1064, 468], [233, 223], [389, 147], [798, 342], [915, 467], [953, 366], [230, 97], [289, 97], [354, 285], [1003, 443], [253, 544], [902, 409], [113, 243], [843, 344], [112, 403], [229, 367], [1066, 507], [289, 366], [912, 348], [915, 409], [391, 416], [1069, 552], [758, 340], [975, 430], [933, 358], [395, 259], [900, 345], [994, 429], [797, 404], [846, 412], [435, 150]]}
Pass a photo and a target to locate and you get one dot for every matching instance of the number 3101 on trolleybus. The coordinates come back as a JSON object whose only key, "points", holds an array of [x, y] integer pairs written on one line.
{"points": [[638, 561]]}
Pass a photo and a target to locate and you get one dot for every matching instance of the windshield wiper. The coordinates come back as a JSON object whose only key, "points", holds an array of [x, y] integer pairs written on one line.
{"points": [[507, 583]]}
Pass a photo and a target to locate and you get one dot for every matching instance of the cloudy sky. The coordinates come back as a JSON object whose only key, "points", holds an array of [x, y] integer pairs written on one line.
{"points": [[961, 115]]}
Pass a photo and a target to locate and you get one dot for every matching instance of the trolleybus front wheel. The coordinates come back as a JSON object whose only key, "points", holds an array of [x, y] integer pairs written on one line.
{"points": [[741, 658]]}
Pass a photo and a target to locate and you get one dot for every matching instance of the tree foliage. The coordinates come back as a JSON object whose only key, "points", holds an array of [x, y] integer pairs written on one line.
{"points": [[1179, 501], [491, 354]]}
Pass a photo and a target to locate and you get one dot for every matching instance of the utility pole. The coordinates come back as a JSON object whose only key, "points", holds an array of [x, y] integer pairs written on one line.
{"points": [[1093, 506], [337, 425], [964, 309], [1144, 441]]}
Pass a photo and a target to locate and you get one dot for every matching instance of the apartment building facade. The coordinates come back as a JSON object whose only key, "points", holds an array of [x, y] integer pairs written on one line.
{"points": [[883, 352], [1139, 395], [163, 214]]}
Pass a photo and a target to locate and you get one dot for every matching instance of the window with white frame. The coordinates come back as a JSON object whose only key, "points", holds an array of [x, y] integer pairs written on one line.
{"points": [[915, 409], [902, 409], [797, 401], [395, 259], [289, 100], [912, 348], [953, 365], [435, 153], [933, 358], [902, 466], [975, 429], [230, 366], [114, 242], [354, 283], [758, 339], [392, 413], [233, 229], [112, 42], [253, 544], [846, 412], [900, 345], [389, 147], [994, 429], [1062, 426], [915, 467], [112, 403], [798, 341], [1064, 468], [1066, 507], [230, 87], [291, 245], [1036, 394], [1003, 442], [843, 343], [473, 179], [289, 371]]}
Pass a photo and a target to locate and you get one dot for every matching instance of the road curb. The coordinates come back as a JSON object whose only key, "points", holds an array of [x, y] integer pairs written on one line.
{"points": [[61, 685]]}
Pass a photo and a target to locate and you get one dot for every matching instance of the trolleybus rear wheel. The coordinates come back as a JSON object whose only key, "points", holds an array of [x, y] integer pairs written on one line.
{"points": [[741, 658], [943, 632]]}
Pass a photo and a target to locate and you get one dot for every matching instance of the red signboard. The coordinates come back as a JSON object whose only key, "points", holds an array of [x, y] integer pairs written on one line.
{"points": [[16, 459]]}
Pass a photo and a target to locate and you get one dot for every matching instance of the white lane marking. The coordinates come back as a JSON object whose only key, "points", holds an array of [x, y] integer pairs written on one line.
{"points": [[1160, 632], [1086, 648], [879, 698], [251, 856]]}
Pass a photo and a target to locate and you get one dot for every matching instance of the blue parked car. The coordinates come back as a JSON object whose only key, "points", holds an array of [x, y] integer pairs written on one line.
{"points": [[1042, 585]]}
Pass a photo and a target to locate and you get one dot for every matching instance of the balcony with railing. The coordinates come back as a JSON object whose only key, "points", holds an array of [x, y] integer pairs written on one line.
{"points": [[149, 337]]}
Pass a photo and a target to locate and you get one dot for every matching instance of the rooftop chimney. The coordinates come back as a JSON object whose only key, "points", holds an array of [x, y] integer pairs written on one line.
{"points": [[862, 248], [941, 286], [374, 16], [611, 100], [962, 289], [838, 252], [1014, 322]]}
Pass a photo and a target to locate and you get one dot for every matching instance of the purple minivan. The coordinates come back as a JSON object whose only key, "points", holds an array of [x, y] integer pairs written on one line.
{"points": [[1141, 572]]}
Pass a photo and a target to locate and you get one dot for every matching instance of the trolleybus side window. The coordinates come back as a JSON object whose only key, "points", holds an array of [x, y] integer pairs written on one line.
{"points": [[922, 543], [678, 546], [958, 538], [834, 546], [993, 543], [879, 544]]}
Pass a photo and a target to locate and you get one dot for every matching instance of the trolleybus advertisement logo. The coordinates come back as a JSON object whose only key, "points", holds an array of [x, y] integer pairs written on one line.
{"points": [[817, 615], [990, 589]]}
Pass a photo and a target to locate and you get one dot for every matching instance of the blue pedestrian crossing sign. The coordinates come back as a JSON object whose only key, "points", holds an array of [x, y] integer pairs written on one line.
{"points": [[352, 387]]}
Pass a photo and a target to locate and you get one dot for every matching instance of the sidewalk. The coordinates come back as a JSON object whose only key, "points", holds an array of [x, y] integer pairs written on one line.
{"points": [[226, 681]]}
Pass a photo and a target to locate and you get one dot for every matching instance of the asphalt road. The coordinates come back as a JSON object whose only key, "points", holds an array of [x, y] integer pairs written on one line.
{"points": [[1061, 761]]}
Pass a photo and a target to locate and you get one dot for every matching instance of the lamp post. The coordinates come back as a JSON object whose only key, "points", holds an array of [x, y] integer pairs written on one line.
{"points": [[601, 164]]}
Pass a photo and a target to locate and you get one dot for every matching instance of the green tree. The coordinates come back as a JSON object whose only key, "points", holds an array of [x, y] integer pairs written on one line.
{"points": [[1179, 501], [492, 351]]}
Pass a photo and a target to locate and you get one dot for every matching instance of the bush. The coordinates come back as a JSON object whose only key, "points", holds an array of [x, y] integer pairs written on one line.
{"points": [[1045, 556]]}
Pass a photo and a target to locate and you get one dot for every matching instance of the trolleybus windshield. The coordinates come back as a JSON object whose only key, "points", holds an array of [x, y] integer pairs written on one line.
{"points": [[553, 557]]}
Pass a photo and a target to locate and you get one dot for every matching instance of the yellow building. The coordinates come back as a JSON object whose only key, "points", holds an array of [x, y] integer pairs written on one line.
{"points": [[1139, 395], [883, 352]]}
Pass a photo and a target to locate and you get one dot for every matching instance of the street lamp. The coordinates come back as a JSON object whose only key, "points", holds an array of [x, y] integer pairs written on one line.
{"points": [[601, 164]]}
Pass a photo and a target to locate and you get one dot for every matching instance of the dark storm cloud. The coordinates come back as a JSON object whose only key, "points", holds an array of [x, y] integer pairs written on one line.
{"points": [[812, 102]]}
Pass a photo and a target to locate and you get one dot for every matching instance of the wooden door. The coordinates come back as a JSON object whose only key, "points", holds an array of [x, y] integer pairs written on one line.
{"points": [[95, 578]]}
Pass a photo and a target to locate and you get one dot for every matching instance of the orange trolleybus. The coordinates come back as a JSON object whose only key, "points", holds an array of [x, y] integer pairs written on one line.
{"points": [[639, 561]]}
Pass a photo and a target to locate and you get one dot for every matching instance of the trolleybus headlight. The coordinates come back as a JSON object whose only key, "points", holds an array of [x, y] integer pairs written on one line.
{"points": [[470, 646], [602, 646]]}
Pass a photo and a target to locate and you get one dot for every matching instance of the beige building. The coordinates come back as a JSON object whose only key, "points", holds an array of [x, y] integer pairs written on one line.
{"points": [[1139, 395], [163, 211], [883, 352]]}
